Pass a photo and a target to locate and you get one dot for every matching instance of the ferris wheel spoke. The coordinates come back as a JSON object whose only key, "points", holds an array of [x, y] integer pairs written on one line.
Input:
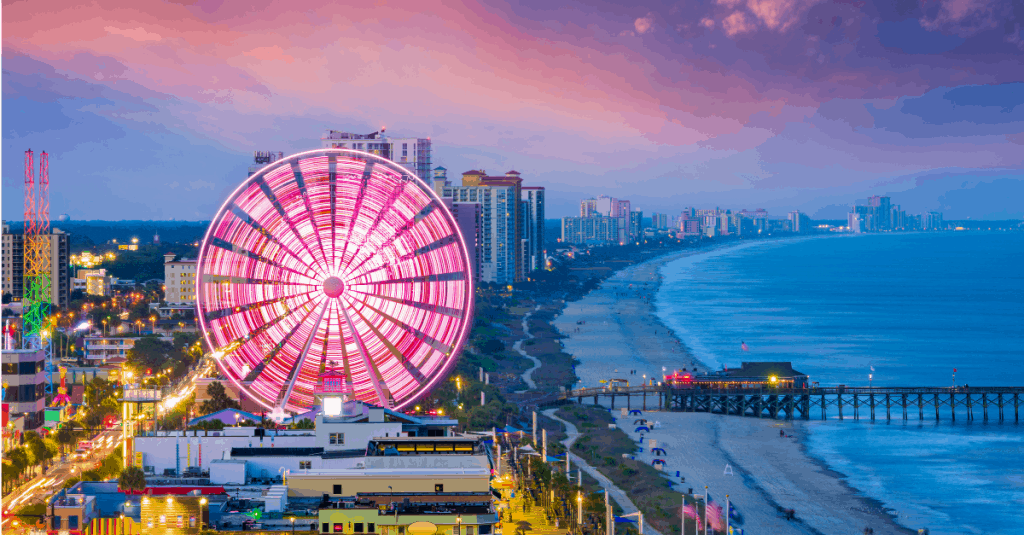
{"points": [[284, 341], [244, 216], [238, 309], [440, 277], [422, 336], [358, 205], [238, 341], [300, 181], [428, 307], [405, 362], [401, 231], [397, 188], [241, 251], [301, 361]]}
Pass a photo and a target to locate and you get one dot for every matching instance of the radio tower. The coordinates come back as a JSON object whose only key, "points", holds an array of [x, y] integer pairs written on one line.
{"points": [[38, 298]]}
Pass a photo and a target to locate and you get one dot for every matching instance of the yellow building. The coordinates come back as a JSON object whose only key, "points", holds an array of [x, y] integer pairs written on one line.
{"points": [[411, 473], [364, 517]]}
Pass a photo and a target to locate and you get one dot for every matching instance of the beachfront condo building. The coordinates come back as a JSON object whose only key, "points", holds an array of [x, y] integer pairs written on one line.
{"points": [[533, 228], [510, 235]]}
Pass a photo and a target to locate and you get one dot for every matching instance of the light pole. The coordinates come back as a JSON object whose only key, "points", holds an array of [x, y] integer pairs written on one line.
{"points": [[579, 510], [236, 419], [293, 524], [202, 502], [458, 524]]}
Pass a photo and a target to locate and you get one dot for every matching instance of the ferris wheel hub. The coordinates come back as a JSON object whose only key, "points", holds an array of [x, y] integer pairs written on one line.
{"points": [[333, 287]]}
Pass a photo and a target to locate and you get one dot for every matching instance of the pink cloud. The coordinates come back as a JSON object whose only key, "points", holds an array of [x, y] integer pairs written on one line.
{"points": [[779, 15], [737, 23], [644, 24]]}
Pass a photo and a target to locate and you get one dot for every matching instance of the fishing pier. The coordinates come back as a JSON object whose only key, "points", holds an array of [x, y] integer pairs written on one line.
{"points": [[854, 403]]}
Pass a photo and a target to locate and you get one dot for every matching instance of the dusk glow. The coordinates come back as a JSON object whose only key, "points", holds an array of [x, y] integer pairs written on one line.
{"points": [[774, 104], [340, 261]]}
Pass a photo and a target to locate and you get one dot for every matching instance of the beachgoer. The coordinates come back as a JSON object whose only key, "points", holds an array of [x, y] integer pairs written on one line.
{"points": [[782, 433]]}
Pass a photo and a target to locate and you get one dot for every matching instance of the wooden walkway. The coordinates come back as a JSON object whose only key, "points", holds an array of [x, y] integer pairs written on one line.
{"points": [[993, 403]]}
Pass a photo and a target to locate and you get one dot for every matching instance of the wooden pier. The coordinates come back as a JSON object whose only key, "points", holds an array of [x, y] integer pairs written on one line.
{"points": [[807, 403]]}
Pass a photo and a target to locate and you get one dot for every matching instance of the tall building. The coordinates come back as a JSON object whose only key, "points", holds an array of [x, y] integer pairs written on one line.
{"points": [[605, 206], [881, 212], [260, 159], [468, 216], [179, 281], [932, 221], [580, 230], [14, 265], [412, 153], [636, 225], [25, 384], [799, 222], [500, 238], [533, 228], [659, 221]]}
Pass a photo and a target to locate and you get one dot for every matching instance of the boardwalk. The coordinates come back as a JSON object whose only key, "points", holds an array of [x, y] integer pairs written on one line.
{"points": [[990, 403]]}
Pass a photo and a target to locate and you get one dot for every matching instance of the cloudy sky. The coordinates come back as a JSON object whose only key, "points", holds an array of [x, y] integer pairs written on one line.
{"points": [[151, 110]]}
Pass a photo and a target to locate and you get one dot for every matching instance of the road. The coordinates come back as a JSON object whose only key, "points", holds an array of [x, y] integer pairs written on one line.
{"points": [[41, 487]]}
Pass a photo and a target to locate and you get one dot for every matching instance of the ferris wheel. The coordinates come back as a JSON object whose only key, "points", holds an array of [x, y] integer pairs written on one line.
{"points": [[334, 263]]}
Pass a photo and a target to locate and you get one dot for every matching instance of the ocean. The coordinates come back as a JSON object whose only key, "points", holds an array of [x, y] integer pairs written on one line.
{"points": [[913, 307]]}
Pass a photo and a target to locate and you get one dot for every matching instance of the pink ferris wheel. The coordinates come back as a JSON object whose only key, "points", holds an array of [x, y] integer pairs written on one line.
{"points": [[334, 263]]}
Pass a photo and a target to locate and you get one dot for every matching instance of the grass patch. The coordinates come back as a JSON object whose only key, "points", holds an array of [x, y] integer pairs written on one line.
{"points": [[602, 448]]}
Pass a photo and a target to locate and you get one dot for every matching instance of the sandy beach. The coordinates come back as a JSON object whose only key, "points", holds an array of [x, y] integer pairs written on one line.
{"points": [[615, 329]]}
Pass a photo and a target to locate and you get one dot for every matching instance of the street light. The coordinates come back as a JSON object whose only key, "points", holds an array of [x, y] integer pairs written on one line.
{"points": [[458, 524], [293, 524], [236, 419], [202, 502]]}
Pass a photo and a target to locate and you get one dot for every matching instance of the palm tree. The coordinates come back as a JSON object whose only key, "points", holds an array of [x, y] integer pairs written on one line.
{"points": [[132, 479]]}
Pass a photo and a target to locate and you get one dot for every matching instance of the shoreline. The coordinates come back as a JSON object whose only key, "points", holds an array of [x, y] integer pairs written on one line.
{"points": [[621, 331]]}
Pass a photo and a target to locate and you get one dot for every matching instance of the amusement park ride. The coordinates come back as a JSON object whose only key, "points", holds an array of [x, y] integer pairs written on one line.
{"points": [[334, 264], [37, 298]]}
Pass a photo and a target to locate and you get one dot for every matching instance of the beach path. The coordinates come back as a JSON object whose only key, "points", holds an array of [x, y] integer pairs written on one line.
{"points": [[518, 346], [616, 493]]}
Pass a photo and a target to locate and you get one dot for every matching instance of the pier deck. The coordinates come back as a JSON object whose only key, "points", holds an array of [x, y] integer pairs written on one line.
{"points": [[805, 403]]}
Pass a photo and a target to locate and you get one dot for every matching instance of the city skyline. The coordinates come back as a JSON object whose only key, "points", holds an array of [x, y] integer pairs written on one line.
{"points": [[154, 111]]}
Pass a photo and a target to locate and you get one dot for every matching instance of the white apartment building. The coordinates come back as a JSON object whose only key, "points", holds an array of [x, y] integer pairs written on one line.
{"points": [[179, 280], [412, 153]]}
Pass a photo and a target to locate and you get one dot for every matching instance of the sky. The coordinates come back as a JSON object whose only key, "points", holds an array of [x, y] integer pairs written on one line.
{"points": [[151, 110]]}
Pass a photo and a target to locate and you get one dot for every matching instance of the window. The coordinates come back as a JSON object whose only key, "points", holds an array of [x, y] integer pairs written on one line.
{"points": [[358, 528], [455, 530], [325, 528], [370, 527], [337, 489], [337, 439], [305, 465], [56, 522], [73, 522], [438, 487], [338, 528], [469, 530], [485, 529]]}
